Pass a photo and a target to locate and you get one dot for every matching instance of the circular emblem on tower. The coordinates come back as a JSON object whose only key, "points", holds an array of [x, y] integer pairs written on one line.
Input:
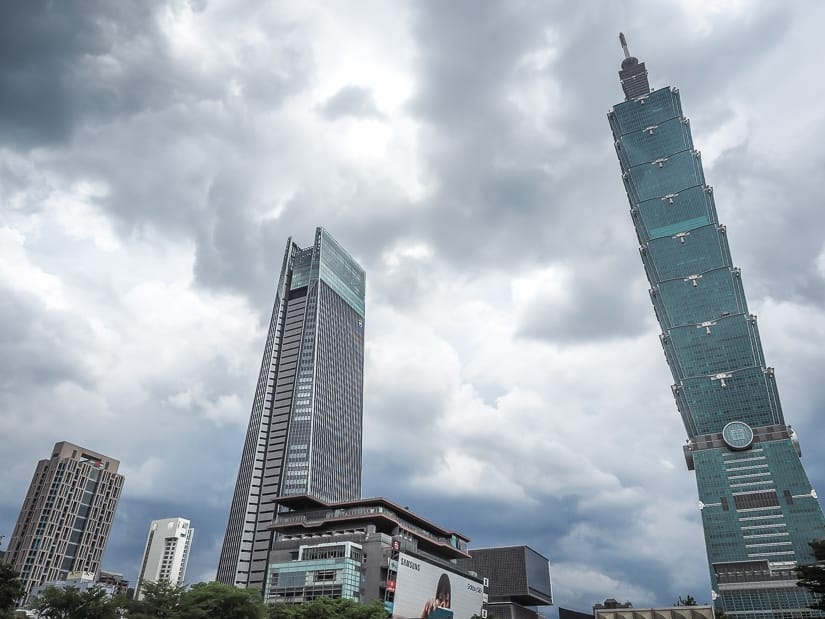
{"points": [[737, 435]]}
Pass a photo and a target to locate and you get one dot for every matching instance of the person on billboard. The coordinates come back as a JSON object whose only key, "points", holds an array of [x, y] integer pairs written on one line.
{"points": [[438, 607]]}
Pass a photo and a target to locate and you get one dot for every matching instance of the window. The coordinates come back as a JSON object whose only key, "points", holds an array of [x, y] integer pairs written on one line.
{"points": [[755, 500]]}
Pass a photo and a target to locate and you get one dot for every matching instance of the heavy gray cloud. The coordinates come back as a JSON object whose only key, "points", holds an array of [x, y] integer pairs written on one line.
{"points": [[154, 157], [54, 60]]}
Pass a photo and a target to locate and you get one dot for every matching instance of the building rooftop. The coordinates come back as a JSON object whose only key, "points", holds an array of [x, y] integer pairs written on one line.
{"points": [[65, 449], [705, 611], [308, 512], [517, 574]]}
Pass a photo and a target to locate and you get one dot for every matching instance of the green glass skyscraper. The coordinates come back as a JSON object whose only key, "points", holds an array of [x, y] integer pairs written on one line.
{"points": [[759, 510]]}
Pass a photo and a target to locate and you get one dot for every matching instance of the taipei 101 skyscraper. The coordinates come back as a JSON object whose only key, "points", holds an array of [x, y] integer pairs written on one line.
{"points": [[759, 511]]}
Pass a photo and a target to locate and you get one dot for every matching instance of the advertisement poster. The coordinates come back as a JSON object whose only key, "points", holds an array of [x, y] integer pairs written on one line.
{"points": [[427, 591]]}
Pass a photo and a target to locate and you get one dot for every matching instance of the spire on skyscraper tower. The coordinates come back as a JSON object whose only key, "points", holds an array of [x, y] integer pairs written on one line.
{"points": [[633, 74]]}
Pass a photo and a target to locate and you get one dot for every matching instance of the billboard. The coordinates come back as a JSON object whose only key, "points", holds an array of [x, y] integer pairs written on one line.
{"points": [[427, 591]]}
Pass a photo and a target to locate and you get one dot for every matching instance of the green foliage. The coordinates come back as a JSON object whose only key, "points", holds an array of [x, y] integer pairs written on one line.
{"points": [[72, 603], [10, 589], [326, 608], [161, 600], [687, 601], [213, 600], [812, 576]]}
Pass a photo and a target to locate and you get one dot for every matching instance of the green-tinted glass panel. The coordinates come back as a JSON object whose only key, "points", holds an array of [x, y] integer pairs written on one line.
{"points": [[748, 395], [692, 252], [664, 177], [680, 226], [659, 106], [342, 273], [301, 268], [712, 347], [310, 579], [717, 293], [663, 140], [685, 210]]}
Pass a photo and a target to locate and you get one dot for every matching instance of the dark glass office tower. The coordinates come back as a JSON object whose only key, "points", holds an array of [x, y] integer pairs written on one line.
{"points": [[304, 434], [758, 508]]}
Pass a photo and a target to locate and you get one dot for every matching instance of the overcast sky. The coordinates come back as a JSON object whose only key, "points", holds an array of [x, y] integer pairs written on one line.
{"points": [[155, 156]]}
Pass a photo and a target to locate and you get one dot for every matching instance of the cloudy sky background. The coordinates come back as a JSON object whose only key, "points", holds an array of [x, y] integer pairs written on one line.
{"points": [[155, 156]]}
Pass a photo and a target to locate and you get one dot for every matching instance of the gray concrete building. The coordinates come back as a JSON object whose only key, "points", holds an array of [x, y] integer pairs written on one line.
{"points": [[703, 611], [517, 577], [369, 549], [611, 608], [115, 580], [66, 517]]}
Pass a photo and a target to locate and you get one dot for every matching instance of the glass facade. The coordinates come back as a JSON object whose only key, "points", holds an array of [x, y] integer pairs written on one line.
{"points": [[758, 508], [326, 570], [304, 433]]}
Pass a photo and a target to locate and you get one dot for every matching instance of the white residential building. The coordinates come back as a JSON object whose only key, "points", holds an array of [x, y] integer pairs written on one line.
{"points": [[166, 553]]}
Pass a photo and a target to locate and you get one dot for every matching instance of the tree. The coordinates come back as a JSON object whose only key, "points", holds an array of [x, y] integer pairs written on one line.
{"points": [[812, 576], [326, 608], [216, 600], [11, 589], [161, 600], [373, 610], [72, 603], [687, 601]]}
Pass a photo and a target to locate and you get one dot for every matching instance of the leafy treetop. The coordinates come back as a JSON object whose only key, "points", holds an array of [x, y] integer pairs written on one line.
{"points": [[812, 576]]}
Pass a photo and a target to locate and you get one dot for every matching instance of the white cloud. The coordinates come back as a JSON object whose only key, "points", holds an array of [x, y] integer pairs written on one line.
{"points": [[510, 344], [549, 286], [73, 210], [574, 583], [225, 408], [19, 273], [147, 477]]}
